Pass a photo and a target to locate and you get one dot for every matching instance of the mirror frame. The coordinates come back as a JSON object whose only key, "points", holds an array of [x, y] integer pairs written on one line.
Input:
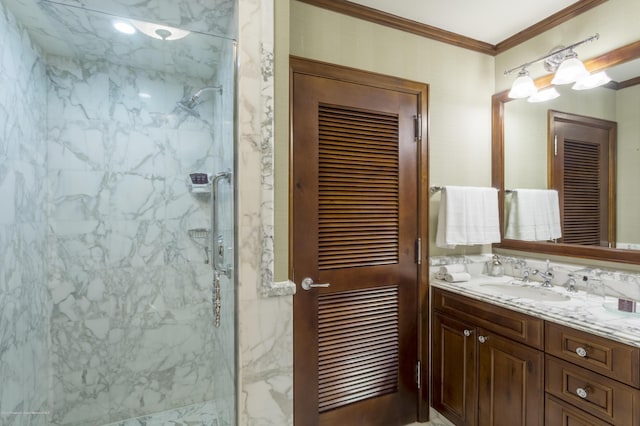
{"points": [[599, 63]]}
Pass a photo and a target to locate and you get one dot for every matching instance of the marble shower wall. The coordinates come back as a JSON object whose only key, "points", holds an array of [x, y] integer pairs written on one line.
{"points": [[24, 302], [132, 328]]}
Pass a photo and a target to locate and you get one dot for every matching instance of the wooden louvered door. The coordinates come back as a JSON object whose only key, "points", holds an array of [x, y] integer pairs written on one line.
{"points": [[582, 158], [355, 225]]}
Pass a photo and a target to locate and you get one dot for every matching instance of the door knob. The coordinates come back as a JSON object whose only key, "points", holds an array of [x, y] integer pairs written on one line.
{"points": [[308, 284]]}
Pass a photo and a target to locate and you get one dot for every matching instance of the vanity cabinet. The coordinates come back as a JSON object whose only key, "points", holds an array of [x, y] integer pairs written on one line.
{"points": [[592, 377], [488, 364]]}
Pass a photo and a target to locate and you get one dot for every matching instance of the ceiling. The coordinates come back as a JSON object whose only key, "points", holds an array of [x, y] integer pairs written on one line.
{"points": [[489, 21], [83, 29]]}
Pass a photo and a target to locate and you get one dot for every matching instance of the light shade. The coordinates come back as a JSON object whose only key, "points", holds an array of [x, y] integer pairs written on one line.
{"points": [[591, 81], [570, 70], [523, 86], [544, 95], [124, 27], [161, 32]]}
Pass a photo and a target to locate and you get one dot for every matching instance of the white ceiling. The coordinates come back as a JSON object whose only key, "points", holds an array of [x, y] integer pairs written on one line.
{"points": [[490, 21]]}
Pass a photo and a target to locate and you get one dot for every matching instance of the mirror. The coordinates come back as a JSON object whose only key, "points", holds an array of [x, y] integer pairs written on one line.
{"points": [[511, 168]]}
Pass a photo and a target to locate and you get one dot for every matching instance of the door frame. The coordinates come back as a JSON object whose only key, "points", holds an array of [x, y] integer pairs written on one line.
{"points": [[555, 118], [300, 65]]}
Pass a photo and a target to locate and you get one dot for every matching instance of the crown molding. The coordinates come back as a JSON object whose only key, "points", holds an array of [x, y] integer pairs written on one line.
{"points": [[546, 24], [372, 15]]}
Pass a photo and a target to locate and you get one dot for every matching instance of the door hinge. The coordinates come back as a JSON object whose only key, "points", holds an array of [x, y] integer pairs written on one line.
{"points": [[417, 127], [419, 251], [555, 145], [419, 374]]}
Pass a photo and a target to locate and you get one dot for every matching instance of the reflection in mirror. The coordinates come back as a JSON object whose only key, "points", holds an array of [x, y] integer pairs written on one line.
{"points": [[567, 144], [525, 152]]}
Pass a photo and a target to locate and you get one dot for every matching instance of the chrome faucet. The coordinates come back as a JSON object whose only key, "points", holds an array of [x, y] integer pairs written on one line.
{"points": [[570, 285], [546, 276]]}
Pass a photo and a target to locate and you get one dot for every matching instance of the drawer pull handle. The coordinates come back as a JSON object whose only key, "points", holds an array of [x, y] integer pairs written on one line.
{"points": [[583, 392], [482, 339], [467, 333], [582, 352]]}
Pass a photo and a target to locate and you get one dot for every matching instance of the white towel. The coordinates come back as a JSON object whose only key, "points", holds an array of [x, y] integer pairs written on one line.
{"points": [[449, 269], [455, 267], [457, 277], [468, 216], [534, 215]]}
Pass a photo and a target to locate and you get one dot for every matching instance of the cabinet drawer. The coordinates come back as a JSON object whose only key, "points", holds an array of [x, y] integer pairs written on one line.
{"points": [[559, 413], [514, 325], [602, 397], [613, 359]]}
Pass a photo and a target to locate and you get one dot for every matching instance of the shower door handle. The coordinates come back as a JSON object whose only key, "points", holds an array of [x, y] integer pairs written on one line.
{"points": [[218, 255]]}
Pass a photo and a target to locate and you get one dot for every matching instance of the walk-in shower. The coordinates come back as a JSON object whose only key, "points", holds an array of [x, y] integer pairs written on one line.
{"points": [[117, 295]]}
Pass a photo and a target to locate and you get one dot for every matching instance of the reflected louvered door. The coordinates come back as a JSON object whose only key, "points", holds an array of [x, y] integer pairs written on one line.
{"points": [[583, 175], [355, 227]]}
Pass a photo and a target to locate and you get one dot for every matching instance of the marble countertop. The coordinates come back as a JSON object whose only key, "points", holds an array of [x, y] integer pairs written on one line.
{"points": [[583, 311]]}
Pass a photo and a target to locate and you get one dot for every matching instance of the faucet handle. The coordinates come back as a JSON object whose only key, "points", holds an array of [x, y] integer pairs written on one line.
{"points": [[570, 285]]}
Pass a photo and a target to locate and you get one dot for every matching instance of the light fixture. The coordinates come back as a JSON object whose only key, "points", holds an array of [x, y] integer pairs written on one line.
{"points": [[124, 27], [561, 60], [594, 80], [570, 70], [523, 87], [160, 32], [544, 95]]}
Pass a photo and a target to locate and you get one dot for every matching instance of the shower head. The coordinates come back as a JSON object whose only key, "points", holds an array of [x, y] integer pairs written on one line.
{"points": [[190, 104]]}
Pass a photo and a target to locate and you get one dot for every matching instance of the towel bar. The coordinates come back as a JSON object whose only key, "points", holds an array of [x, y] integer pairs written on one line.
{"points": [[434, 189]]}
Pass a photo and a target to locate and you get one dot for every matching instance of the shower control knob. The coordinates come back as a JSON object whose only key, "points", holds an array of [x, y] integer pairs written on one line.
{"points": [[308, 284]]}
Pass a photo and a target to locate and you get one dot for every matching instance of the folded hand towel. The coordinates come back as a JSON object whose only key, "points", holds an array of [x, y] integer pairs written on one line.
{"points": [[457, 267], [457, 277], [534, 215], [468, 216]]}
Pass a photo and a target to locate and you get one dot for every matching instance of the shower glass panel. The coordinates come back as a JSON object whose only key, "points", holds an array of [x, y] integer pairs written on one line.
{"points": [[128, 116]]}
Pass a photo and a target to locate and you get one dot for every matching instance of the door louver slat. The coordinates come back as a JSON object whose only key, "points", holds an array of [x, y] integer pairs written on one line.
{"points": [[357, 188], [358, 346], [582, 205]]}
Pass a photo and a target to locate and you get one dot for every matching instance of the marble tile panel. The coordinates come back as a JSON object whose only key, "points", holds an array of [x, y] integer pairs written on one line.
{"points": [[24, 304], [266, 351], [77, 146], [137, 150], [77, 245], [79, 195], [136, 243], [164, 358], [22, 185], [204, 414], [136, 197], [84, 360]]}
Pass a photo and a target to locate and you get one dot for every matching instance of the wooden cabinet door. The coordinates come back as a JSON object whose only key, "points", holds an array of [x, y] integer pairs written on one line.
{"points": [[454, 370], [510, 382], [560, 413]]}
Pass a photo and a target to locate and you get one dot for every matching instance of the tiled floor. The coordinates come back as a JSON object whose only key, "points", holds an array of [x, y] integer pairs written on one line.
{"points": [[436, 420]]}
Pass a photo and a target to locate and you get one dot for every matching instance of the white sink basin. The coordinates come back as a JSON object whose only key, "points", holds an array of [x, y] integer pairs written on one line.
{"points": [[533, 292]]}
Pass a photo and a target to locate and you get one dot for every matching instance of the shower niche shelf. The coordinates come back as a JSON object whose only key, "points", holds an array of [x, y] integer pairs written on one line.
{"points": [[199, 183]]}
